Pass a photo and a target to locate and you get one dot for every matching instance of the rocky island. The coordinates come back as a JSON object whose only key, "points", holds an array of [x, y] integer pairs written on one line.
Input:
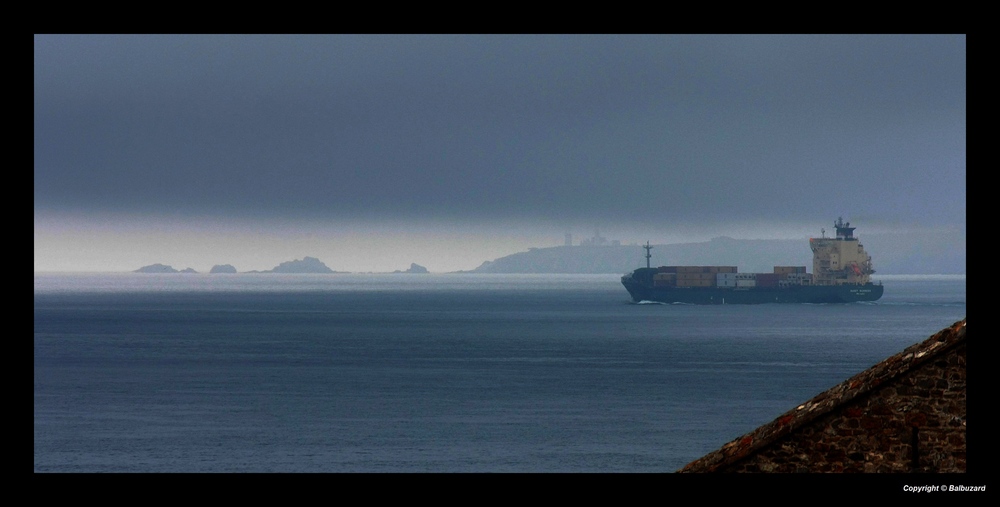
{"points": [[305, 265], [162, 268], [414, 268], [156, 268]]}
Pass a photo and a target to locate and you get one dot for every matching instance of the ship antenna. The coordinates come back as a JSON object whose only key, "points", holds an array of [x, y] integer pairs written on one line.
{"points": [[648, 255]]}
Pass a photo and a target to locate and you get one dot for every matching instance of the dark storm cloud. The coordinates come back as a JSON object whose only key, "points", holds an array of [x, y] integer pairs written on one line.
{"points": [[554, 127]]}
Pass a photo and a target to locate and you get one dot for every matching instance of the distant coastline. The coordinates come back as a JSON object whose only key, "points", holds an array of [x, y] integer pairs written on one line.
{"points": [[893, 254]]}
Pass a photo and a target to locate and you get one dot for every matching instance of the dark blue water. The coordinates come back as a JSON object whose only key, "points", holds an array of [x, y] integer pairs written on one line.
{"points": [[430, 373]]}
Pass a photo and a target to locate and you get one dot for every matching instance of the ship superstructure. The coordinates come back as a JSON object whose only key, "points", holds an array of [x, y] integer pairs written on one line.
{"points": [[840, 260]]}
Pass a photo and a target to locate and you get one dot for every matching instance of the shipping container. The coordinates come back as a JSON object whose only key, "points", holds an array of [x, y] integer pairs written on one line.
{"points": [[799, 278], [696, 276], [721, 269], [767, 280], [688, 269], [701, 269], [695, 283], [789, 269]]}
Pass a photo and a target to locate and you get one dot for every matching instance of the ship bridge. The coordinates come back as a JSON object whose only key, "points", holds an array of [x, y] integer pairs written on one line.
{"points": [[844, 231]]}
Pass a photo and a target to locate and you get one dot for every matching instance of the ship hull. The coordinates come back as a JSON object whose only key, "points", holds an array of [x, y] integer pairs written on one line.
{"points": [[816, 294]]}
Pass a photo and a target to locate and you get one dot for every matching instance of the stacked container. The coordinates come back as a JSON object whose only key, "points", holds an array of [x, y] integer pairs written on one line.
{"points": [[696, 276], [767, 279], [665, 280], [796, 279]]}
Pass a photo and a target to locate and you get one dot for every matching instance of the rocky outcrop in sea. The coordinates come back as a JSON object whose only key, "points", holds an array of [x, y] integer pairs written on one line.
{"points": [[414, 268], [305, 265], [156, 268]]}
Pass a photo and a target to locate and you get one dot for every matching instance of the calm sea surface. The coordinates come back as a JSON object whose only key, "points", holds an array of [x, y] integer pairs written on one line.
{"points": [[431, 373]]}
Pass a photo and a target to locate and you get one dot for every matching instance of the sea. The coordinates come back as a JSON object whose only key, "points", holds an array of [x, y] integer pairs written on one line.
{"points": [[426, 373]]}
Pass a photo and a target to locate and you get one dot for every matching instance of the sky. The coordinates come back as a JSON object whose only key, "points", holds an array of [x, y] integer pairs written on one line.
{"points": [[371, 152]]}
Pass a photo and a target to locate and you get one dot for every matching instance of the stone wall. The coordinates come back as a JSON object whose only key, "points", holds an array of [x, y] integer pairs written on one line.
{"points": [[906, 414]]}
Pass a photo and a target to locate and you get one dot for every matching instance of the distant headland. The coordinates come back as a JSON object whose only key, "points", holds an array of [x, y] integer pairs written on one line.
{"points": [[899, 253]]}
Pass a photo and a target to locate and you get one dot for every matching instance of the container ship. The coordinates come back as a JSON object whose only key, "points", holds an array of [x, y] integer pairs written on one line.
{"points": [[841, 274]]}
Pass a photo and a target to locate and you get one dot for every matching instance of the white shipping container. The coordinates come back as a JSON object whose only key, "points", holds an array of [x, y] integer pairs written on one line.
{"points": [[799, 279]]}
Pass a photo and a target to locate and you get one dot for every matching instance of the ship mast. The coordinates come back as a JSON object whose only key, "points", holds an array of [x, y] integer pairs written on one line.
{"points": [[648, 255]]}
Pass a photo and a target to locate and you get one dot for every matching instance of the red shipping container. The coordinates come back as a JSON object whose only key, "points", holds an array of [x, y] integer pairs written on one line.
{"points": [[767, 279]]}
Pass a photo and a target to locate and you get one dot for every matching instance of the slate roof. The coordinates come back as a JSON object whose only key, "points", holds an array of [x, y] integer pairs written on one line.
{"points": [[909, 359]]}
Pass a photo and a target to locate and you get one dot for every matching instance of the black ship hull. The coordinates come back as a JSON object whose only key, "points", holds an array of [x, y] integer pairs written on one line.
{"points": [[815, 294]]}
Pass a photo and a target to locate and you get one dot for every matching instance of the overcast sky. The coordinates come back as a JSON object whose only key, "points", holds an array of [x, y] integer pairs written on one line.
{"points": [[374, 151]]}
